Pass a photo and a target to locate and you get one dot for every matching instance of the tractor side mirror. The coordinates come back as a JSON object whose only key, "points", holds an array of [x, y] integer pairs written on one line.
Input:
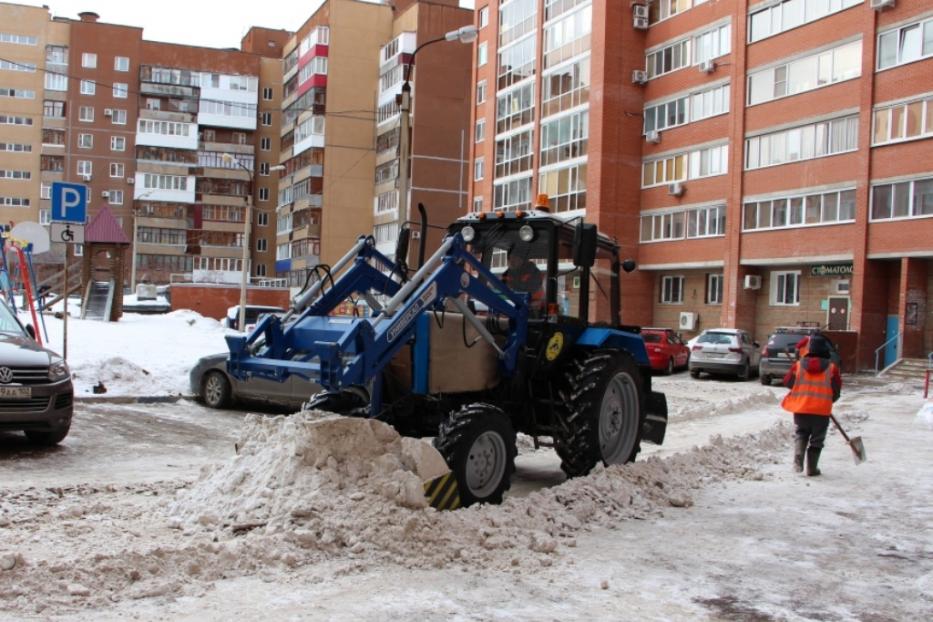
{"points": [[584, 245], [401, 245], [629, 265]]}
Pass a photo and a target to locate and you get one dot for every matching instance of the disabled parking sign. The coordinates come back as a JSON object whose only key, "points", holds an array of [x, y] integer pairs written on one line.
{"points": [[69, 203]]}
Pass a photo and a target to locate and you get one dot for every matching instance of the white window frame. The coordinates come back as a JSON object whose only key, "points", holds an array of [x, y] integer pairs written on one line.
{"points": [[84, 167], [121, 90], [88, 87], [480, 92], [715, 285], [669, 295], [774, 15], [786, 69], [925, 122], [484, 17], [479, 132], [262, 219], [81, 115], [898, 34], [265, 144], [912, 202], [121, 63], [115, 142], [89, 60], [117, 170], [262, 245], [479, 168], [263, 194], [482, 54], [801, 143], [85, 141], [115, 197], [118, 117], [778, 298]]}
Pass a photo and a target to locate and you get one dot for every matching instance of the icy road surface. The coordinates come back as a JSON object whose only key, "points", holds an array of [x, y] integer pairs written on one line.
{"points": [[701, 528]]}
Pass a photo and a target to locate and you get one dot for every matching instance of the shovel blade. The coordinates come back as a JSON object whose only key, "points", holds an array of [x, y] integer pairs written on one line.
{"points": [[858, 449]]}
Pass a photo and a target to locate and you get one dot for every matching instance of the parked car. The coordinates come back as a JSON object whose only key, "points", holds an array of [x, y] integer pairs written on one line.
{"points": [[725, 351], [211, 383], [36, 394], [666, 350], [253, 313], [780, 352]]}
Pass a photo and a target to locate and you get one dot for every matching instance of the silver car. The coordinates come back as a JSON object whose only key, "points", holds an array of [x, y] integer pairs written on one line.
{"points": [[36, 395], [211, 383], [724, 351]]}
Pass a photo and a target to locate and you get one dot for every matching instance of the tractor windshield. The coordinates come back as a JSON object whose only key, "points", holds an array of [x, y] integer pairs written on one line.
{"points": [[519, 260]]}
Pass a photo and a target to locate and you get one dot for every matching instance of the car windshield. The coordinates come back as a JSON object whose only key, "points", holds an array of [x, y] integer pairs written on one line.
{"points": [[651, 338], [8, 323], [784, 340], [716, 338]]}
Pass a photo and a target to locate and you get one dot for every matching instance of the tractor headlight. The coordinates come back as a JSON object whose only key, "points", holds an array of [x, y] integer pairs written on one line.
{"points": [[468, 233], [58, 370], [526, 233]]}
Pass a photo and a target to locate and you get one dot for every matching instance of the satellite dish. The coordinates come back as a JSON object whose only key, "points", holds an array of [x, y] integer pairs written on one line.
{"points": [[32, 233]]}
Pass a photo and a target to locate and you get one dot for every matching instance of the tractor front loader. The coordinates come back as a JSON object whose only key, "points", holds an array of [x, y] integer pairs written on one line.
{"points": [[489, 337]]}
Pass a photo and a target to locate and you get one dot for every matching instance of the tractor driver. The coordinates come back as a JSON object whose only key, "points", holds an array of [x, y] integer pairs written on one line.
{"points": [[525, 277]]}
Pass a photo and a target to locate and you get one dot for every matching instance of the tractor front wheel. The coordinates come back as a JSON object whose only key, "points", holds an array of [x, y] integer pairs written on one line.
{"points": [[478, 443], [601, 397]]}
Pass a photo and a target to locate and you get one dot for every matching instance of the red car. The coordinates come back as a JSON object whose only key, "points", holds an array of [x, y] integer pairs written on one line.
{"points": [[666, 350]]}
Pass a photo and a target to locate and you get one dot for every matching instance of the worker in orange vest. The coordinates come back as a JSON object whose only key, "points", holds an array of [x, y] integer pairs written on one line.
{"points": [[815, 383], [524, 276]]}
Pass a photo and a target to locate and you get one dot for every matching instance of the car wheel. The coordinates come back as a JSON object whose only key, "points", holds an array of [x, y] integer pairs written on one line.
{"points": [[694, 373], [215, 389], [50, 438], [765, 379], [670, 367], [746, 371]]}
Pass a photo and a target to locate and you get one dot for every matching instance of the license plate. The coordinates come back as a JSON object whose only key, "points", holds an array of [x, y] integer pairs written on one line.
{"points": [[15, 392], [715, 355]]}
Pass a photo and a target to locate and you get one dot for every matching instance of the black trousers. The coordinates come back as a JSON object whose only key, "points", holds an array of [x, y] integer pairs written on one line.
{"points": [[812, 429]]}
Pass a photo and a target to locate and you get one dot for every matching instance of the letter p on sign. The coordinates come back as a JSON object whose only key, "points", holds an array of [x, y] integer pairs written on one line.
{"points": [[69, 203]]}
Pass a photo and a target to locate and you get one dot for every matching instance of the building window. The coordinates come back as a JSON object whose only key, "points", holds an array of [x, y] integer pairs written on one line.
{"points": [[564, 138], [19, 175], [515, 108], [264, 169], [477, 204], [667, 59], [116, 170], [513, 194], [516, 63], [115, 197], [88, 87], [513, 154], [118, 143], [566, 87], [89, 60], [484, 17], [85, 141], [120, 90], [387, 202], [14, 201], [659, 10], [385, 233], [816, 140], [903, 121], [262, 219], [85, 168], [482, 54], [785, 288], [17, 39], [712, 44], [52, 109], [260, 269], [817, 208], [714, 289], [480, 92], [565, 187], [791, 14], [265, 144], [701, 222], [55, 81], [905, 199], [17, 93], [516, 19], [262, 245], [843, 62], [263, 194], [267, 119], [45, 217], [267, 93], [479, 135], [479, 168], [905, 44], [568, 36], [16, 147], [705, 162], [121, 63], [118, 117], [86, 113], [672, 290]]}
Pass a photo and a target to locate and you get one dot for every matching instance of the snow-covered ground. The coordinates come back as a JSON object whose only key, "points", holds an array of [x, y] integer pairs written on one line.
{"points": [[148, 512]]}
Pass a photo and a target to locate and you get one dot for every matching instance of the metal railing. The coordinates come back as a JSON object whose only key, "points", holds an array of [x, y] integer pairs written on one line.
{"points": [[880, 348]]}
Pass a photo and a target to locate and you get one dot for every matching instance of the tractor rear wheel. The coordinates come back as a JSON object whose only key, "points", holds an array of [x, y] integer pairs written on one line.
{"points": [[602, 405], [478, 443]]}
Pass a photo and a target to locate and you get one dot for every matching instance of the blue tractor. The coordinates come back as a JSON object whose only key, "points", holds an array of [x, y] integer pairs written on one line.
{"points": [[512, 325]]}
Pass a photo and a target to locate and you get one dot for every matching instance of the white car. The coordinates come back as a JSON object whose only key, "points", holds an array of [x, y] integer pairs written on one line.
{"points": [[724, 351]]}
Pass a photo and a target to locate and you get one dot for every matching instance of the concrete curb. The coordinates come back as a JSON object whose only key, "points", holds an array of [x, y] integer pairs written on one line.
{"points": [[132, 399]]}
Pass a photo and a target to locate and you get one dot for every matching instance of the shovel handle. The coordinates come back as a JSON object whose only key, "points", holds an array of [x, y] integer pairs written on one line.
{"points": [[839, 427]]}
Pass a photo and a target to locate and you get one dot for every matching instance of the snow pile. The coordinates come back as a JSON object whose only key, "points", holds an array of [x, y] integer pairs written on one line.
{"points": [[311, 462], [925, 415], [698, 409]]}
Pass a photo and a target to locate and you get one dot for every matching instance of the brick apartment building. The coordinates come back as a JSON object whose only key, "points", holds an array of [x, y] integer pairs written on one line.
{"points": [[339, 143], [766, 163]]}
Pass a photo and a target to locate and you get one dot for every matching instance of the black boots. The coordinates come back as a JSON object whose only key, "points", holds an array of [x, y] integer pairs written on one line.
{"points": [[800, 447], [813, 457]]}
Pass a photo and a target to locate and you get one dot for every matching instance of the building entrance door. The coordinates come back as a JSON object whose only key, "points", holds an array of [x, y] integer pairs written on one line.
{"points": [[838, 314], [890, 350]]}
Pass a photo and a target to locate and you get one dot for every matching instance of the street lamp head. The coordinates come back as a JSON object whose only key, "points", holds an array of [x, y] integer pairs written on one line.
{"points": [[464, 34]]}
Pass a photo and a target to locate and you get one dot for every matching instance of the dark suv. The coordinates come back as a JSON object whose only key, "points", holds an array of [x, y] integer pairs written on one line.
{"points": [[36, 395], [780, 352]]}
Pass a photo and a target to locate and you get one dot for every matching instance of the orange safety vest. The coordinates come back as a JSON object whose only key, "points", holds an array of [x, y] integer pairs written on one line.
{"points": [[812, 393]]}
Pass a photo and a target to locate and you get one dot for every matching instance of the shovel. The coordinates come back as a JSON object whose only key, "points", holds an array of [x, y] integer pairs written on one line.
{"points": [[858, 449]]}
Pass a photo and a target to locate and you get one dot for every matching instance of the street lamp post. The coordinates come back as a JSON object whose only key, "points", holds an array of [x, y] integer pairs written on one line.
{"points": [[464, 34], [135, 242]]}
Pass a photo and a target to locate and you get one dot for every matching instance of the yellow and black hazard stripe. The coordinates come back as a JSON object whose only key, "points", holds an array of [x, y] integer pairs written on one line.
{"points": [[442, 492]]}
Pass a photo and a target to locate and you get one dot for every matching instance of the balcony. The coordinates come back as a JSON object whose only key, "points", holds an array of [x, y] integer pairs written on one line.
{"points": [[183, 194], [174, 135]]}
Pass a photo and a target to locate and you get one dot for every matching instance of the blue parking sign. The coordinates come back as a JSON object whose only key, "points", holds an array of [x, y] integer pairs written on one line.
{"points": [[69, 202]]}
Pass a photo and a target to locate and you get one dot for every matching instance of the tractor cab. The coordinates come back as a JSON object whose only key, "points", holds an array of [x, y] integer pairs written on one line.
{"points": [[568, 270]]}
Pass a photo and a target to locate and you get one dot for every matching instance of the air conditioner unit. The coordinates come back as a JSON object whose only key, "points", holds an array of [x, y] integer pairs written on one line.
{"points": [[640, 23], [108, 112], [131, 180], [878, 5], [707, 66], [639, 76], [688, 320], [653, 136], [86, 177], [676, 189], [105, 194], [640, 10], [752, 281]]}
